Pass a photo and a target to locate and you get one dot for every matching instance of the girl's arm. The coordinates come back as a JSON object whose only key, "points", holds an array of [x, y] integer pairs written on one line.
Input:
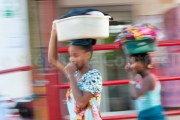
{"points": [[52, 51], [82, 97], [147, 85]]}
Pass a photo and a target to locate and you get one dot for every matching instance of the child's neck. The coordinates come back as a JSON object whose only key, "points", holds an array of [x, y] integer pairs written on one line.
{"points": [[85, 69], [144, 73]]}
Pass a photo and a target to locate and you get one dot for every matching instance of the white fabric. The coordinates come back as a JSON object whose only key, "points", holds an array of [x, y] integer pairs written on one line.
{"points": [[95, 13]]}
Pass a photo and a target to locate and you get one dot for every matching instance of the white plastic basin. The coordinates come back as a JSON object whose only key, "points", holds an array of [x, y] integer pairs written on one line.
{"points": [[79, 27]]}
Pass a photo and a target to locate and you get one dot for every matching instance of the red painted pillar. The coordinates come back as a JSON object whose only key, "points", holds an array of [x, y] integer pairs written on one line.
{"points": [[53, 97], [47, 13]]}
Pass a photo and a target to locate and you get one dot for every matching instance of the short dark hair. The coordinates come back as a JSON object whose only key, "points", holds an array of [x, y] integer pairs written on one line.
{"points": [[142, 57], [88, 47]]}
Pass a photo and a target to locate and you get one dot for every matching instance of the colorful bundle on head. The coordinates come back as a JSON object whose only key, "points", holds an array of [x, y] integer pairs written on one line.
{"points": [[138, 32]]}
